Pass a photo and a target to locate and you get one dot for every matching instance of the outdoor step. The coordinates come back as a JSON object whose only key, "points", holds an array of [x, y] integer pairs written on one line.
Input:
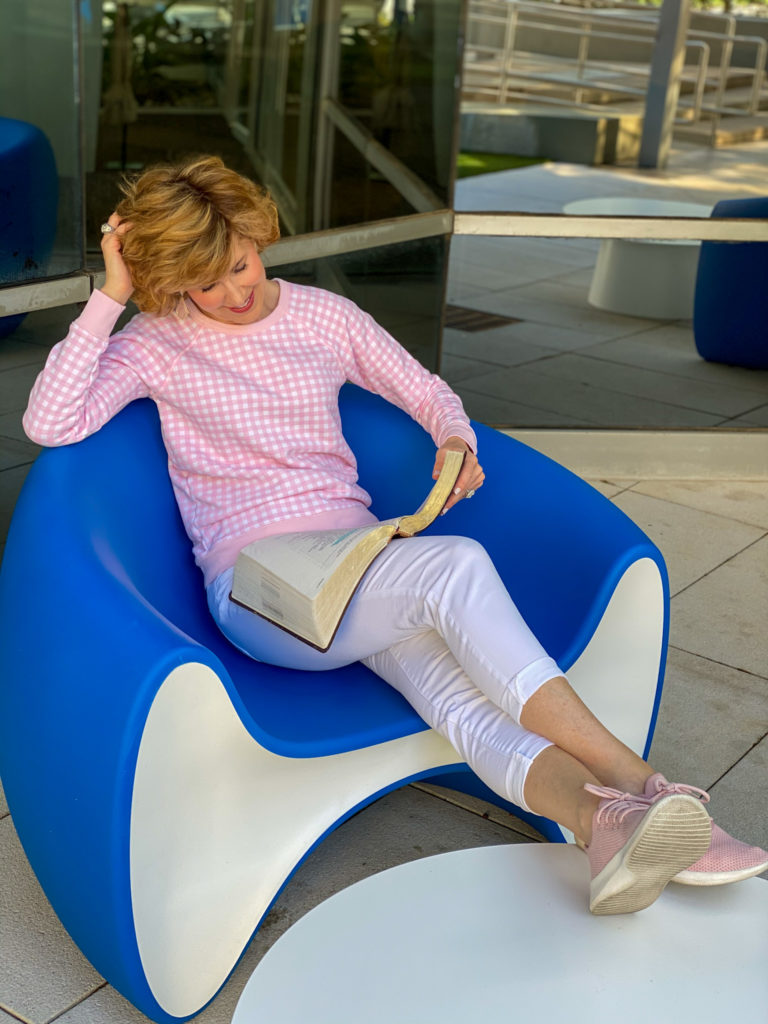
{"points": [[739, 98], [729, 131]]}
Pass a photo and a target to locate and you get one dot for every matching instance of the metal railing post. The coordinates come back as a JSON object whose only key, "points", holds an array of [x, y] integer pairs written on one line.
{"points": [[664, 83]]}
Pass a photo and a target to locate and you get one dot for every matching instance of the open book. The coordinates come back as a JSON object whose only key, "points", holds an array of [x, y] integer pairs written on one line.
{"points": [[303, 582]]}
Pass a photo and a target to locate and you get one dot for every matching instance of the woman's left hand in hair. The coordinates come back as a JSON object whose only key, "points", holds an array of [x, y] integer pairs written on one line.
{"points": [[471, 476]]}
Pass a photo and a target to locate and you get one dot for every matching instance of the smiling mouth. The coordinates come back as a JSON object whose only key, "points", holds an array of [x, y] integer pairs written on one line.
{"points": [[245, 308]]}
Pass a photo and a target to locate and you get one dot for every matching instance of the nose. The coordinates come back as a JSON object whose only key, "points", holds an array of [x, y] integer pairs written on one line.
{"points": [[236, 295]]}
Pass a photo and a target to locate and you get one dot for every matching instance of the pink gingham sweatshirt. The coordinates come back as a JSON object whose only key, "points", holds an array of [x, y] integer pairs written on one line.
{"points": [[249, 413]]}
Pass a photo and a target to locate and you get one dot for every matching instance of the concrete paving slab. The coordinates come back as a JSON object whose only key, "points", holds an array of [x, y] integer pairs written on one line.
{"points": [[10, 426], [550, 337], [42, 973], [692, 542], [44, 327], [11, 481], [14, 352], [722, 616], [482, 808], [108, 1007], [529, 302], [506, 273], [590, 368], [16, 453], [499, 411], [557, 253], [502, 346], [454, 369], [512, 270], [459, 293], [709, 716], [670, 348], [744, 501], [611, 488], [3, 802], [15, 385], [597, 406], [6, 1018], [755, 418], [738, 799]]}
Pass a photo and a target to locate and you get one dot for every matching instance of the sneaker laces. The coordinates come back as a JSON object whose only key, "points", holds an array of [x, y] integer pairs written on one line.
{"points": [[618, 805], [667, 788]]}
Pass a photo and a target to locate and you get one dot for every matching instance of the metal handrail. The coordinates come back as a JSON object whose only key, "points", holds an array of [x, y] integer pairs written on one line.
{"points": [[508, 72], [513, 14]]}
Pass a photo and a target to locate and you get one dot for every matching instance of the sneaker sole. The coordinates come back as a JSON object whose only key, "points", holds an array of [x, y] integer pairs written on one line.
{"points": [[718, 877], [672, 835]]}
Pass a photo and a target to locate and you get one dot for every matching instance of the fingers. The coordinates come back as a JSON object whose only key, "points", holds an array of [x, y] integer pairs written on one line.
{"points": [[118, 284], [469, 480], [110, 240]]}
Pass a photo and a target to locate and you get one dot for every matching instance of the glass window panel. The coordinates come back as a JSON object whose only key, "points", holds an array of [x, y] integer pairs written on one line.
{"points": [[40, 159], [398, 64], [566, 89], [542, 333], [359, 192], [401, 286]]}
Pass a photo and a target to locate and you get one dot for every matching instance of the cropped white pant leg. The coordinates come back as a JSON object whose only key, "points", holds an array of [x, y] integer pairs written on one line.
{"points": [[433, 618]]}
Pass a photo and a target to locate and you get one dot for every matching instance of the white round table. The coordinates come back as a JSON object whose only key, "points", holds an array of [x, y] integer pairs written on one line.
{"points": [[503, 932], [644, 277]]}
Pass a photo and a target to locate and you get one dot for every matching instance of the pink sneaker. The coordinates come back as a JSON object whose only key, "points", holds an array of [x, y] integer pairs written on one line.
{"points": [[639, 843], [726, 860]]}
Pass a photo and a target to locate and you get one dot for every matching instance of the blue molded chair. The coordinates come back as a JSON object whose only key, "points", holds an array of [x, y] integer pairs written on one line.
{"points": [[730, 307], [29, 199], [164, 786]]}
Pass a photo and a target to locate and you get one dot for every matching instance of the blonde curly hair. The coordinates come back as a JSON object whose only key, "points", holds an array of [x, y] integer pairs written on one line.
{"points": [[184, 220]]}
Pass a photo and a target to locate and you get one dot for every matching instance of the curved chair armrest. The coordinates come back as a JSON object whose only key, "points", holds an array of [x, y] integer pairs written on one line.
{"points": [[96, 654]]}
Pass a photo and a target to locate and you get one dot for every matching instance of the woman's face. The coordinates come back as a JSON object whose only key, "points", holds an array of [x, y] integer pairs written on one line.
{"points": [[241, 296]]}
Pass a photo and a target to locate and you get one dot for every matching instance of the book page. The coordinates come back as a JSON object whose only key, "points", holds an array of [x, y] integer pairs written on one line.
{"points": [[435, 501], [305, 561]]}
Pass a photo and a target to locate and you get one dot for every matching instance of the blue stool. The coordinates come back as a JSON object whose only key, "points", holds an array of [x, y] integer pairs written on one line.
{"points": [[730, 307], [29, 190], [163, 785]]}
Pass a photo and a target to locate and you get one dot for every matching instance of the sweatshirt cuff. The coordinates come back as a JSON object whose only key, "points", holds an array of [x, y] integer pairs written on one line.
{"points": [[100, 315], [462, 430]]}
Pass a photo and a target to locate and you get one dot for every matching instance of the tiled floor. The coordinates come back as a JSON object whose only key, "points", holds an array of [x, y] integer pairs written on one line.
{"points": [[713, 726]]}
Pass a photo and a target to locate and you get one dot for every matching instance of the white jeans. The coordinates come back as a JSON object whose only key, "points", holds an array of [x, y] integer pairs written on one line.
{"points": [[433, 618]]}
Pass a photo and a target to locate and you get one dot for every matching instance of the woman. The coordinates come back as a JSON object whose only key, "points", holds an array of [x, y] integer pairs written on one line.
{"points": [[246, 372]]}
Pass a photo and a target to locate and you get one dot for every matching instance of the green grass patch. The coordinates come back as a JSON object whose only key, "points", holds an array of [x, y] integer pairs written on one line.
{"points": [[468, 164]]}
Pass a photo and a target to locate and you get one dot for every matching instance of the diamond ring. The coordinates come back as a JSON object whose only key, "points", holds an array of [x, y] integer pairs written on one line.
{"points": [[470, 494], [106, 229]]}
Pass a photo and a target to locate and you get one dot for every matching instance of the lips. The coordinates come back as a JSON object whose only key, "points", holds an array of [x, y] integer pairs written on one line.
{"points": [[245, 308]]}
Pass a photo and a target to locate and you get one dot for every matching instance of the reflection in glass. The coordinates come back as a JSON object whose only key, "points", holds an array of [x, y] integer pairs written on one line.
{"points": [[258, 83], [525, 347], [398, 63], [40, 159], [401, 286]]}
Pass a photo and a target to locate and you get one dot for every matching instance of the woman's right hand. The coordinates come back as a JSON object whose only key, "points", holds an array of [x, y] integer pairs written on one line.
{"points": [[118, 284]]}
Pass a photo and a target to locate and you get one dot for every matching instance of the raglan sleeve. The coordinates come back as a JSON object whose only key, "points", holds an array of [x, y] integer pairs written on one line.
{"points": [[374, 360], [86, 379]]}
